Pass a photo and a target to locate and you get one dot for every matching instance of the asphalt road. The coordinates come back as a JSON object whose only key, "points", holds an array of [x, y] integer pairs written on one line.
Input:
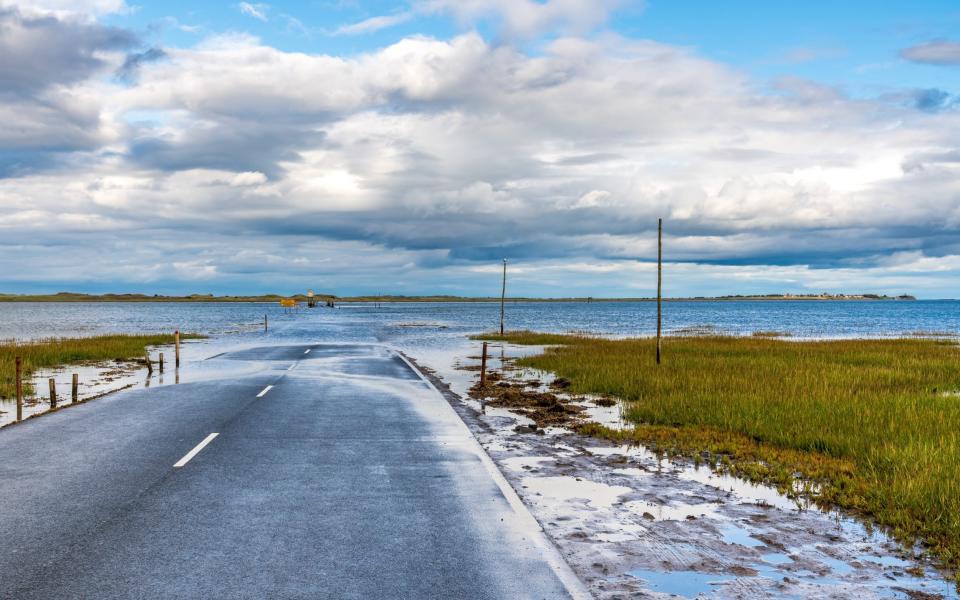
{"points": [[350, 477]]}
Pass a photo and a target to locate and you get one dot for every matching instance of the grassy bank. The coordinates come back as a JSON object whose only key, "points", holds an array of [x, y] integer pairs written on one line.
{"points": [[55, 352], [872, 425], [195, 298]]}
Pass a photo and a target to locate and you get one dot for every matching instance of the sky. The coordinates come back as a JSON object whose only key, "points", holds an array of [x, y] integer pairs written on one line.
{"points": [[408, 147]]}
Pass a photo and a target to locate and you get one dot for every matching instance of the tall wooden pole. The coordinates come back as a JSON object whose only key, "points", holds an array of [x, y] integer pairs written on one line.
{"points": [[503, 294], [19, 375], [176, 349], [659, 284]]}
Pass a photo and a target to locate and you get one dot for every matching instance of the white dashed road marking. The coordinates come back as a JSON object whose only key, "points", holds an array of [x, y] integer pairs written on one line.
{"points": [[194, 452]]}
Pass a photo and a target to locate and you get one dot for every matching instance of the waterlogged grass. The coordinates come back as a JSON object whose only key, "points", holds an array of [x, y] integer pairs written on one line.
{"points": [[55, 352], [869, 425], [532, 338]]}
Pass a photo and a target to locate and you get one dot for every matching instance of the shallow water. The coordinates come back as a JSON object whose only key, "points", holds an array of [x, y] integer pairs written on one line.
{"points": [[415, 321]]}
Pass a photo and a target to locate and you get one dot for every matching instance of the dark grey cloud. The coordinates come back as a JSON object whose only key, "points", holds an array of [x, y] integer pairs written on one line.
{"points": [[130, 68], [42, 60], [934, 100], [229, 144], [936, 52], [40, 52], [587, 159], [916, 162]]}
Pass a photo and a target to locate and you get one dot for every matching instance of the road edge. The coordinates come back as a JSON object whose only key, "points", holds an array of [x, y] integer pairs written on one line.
{"points": [[555, 560]]}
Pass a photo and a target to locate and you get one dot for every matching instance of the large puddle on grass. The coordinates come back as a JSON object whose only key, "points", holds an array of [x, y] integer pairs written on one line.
{"points": [[632, 524]]}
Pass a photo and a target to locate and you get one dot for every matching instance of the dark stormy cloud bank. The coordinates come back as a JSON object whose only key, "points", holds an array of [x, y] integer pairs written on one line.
{"points": [[234, 166]]}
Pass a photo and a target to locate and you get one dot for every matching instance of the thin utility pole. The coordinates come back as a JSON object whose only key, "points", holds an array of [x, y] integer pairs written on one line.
{"points": [[659, 284], [503, 294]]}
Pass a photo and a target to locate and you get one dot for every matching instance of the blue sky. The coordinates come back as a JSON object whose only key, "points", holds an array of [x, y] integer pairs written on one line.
{"points": [[854, 44], [362, 147]]}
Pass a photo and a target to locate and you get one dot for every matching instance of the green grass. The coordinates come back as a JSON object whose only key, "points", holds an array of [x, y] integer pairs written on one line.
{"points": [[56, 352], [875, 424], [196, 298], [531, 338]]}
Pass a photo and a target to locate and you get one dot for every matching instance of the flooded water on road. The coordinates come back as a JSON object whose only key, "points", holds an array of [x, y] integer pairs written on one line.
{"points": [[417, 320]]}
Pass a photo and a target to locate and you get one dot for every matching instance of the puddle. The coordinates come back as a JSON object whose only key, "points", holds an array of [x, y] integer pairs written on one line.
{"points": [[776, 559], [740, 489], [629, 451], [689, 584], [732, 533], [886, 561], [525, 463], [663, 512], [566, 489], [608, 416]]}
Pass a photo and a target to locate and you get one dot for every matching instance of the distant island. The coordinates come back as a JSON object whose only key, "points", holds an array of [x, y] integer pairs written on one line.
{"points": [[77, 297]]}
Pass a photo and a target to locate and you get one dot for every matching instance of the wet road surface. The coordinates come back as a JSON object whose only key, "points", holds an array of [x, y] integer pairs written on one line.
{"points": [[336, 472]]}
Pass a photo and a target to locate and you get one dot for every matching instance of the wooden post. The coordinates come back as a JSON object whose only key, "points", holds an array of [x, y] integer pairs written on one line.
{"points": [[161, 362], [264, 323], [149, 365], [483, 367], [75, 389], [503, 294], [176, 349], [659, 285], [53, 393], [19, 376]]}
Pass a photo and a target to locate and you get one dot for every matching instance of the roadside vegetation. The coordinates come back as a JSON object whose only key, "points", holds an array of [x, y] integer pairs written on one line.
{"points": [[200, 298], [872, 426], [46, 353]]}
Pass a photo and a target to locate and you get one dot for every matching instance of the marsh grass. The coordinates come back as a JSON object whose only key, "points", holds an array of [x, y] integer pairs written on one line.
{"points": [[46, 353], [872, 426]]}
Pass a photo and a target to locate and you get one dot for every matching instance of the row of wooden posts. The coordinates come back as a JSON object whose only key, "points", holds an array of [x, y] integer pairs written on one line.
{"points": [[75, 381]]}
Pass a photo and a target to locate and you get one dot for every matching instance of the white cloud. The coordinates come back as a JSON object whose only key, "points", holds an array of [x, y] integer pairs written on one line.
{"points": [[248, 178], [430, 157], [89, 8], [257, 11], [373, 24]]}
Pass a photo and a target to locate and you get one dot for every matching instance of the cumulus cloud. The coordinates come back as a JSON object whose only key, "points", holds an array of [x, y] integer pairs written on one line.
{"points": [[46, 81], [40, 52], [937, 52], [86, 8], [438, 155]]}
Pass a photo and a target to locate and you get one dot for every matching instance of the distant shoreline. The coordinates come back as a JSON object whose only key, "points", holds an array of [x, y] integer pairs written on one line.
{"points": [[206, 298]]}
